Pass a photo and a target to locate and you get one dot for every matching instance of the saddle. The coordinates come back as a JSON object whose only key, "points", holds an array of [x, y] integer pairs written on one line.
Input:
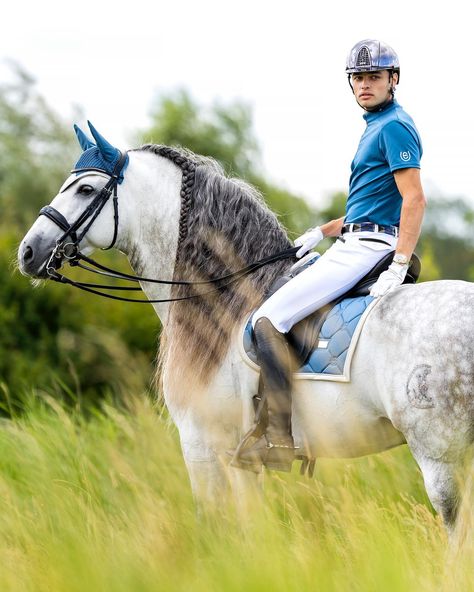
{"points": [[303, 337]]}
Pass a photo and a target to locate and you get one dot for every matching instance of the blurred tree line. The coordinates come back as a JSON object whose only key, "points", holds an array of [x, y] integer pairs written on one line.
{"points": [[82, 347]]}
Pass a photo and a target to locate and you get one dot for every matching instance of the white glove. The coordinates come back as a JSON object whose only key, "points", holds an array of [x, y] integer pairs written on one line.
{"points": [[308, 241], [390, 279]]}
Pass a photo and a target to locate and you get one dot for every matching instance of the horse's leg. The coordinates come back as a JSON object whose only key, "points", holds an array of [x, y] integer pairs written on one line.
{"points": [[441, 482], [208, 428], [217, 488], [214, 483]]}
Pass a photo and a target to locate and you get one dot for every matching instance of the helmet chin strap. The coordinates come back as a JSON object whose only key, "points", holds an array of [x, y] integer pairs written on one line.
{"points": [[379, 107]]}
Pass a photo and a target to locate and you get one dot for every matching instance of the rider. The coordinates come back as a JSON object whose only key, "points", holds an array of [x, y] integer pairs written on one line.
{"points": [[384, 212]]}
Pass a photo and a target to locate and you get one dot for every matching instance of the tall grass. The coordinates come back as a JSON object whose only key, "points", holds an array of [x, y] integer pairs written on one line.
{"points": [[103, 503]]}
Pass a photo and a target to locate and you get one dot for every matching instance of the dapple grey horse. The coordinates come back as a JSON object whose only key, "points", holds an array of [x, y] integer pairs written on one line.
{"points": [[178, 217]]}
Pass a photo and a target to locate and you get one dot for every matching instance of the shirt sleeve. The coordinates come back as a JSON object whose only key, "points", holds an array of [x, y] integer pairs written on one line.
{"points": [[401, 146]]}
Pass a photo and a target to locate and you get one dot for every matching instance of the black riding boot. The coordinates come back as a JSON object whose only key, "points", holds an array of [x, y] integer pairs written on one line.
{"points": [[275, 449]]}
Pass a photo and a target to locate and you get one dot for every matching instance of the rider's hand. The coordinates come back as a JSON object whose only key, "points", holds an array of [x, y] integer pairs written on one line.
{"points": [[308, 241], [389, 279]]}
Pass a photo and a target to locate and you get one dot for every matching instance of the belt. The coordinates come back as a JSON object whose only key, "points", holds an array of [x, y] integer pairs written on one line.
{"points": [[370, 227]]}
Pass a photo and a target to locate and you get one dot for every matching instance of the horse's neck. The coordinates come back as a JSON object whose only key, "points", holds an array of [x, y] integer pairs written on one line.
{"points": [[204, 325], [153, 212]]}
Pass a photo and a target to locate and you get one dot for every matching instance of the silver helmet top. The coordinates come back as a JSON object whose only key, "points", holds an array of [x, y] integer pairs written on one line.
{"points": [[370, 55]]}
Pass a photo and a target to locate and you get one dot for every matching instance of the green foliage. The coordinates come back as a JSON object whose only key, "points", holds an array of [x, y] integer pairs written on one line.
{"points": [[58, 339], [446, 245], [293, 212], [224, 132], [36, 150], [53, 337], [430, 269], [447, 238], [335, 208], [105, 504]]}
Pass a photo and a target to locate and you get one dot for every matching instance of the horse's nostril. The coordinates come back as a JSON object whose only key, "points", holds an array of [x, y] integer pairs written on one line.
{"points": [[27, 254]]}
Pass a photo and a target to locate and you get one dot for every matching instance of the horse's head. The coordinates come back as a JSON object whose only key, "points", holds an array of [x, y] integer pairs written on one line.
{"points": [[83, 215], [177, 216]]}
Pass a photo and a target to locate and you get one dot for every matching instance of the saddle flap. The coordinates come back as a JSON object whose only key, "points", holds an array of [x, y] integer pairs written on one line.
{"points": [[304, 336], [321, 341]]}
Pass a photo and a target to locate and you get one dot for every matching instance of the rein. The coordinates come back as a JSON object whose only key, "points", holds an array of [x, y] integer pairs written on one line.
{"points": [[69, 249], [95, 288]]}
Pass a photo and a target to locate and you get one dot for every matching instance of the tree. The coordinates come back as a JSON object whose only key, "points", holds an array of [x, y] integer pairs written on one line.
{"points": [[446, 245], [223, 132], [36, 149], [54, 338], [447, 236]]}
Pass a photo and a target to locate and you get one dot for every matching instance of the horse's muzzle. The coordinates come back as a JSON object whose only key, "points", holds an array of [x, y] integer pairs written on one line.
{"points": [[33, 258]]}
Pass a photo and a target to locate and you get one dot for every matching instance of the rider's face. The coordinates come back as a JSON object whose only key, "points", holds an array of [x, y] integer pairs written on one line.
{"points": [[372, 88]]}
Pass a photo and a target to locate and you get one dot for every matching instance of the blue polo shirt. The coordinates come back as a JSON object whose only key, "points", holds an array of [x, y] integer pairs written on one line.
{"points": [[390, 142]]}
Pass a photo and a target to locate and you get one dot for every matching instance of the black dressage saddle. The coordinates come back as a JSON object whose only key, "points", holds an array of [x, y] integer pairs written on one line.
{"points": [[303, 337]]}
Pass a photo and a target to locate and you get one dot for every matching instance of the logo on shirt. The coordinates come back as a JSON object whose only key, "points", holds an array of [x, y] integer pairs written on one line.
{"points": [[405, 155]]}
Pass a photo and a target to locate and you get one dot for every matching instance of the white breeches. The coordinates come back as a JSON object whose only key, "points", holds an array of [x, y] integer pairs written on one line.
{"points": [[334, 273]]}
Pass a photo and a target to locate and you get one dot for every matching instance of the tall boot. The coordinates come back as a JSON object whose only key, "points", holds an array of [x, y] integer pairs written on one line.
{"points": [[275, 449]]}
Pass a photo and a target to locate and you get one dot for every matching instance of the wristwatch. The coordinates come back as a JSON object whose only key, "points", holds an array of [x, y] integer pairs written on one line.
{"points": [[400, 259]]}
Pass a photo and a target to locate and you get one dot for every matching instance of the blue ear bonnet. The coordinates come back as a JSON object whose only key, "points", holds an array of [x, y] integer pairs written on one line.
{"points": [[93, 159], [102, 156]]}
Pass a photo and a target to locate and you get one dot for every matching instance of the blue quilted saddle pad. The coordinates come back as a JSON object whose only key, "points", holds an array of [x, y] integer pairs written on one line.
{"points": [[335, 336]]}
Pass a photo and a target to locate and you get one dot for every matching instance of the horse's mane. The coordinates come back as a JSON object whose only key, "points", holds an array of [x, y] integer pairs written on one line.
{"points": [[225, 225]]}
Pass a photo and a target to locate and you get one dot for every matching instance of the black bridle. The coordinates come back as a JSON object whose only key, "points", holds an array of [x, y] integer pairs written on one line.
{"points": [[67, 247]]}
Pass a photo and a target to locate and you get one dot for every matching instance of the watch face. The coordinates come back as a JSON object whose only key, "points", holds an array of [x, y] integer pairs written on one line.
{"points": [[403, 259]]}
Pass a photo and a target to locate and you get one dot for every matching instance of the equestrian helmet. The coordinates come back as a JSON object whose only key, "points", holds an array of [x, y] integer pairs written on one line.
{"points": [[370, 55]]}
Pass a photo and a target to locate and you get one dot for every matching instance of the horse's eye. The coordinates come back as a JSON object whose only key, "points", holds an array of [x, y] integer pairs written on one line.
{"points": [[85, 189]]}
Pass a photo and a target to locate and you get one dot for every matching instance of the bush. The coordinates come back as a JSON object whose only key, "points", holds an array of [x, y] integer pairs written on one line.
{"points": [[56, 338]]}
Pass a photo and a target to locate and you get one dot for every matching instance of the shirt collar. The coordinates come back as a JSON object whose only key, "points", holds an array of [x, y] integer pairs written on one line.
{"points": [[372, 115]]}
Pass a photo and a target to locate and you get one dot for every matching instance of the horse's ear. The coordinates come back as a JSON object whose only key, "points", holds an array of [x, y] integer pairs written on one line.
{"points": [[83, 139], [108, 151]]}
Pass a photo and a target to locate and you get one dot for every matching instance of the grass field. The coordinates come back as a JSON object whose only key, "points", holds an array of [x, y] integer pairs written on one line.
{"points": [[104, 504]]}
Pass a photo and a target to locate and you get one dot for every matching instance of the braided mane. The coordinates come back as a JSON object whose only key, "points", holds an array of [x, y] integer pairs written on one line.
{"points": [[224, 226]]}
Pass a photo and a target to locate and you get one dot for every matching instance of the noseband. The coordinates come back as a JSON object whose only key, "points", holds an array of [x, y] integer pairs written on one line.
{"points": [[67, 247]]}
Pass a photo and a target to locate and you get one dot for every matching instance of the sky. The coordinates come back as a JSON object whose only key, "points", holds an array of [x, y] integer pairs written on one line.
{"points": [[286, 60]]}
